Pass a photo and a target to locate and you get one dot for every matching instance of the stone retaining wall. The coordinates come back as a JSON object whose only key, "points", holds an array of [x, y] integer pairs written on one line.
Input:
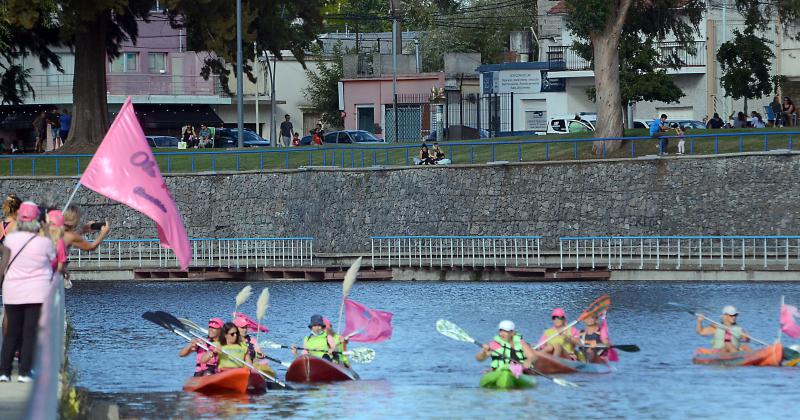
{"points": [[749, 194]]}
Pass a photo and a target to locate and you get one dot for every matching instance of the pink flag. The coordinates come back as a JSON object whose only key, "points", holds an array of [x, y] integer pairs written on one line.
{"points": [[788, 325], [369, 325], [123, 169], [613, 356]]}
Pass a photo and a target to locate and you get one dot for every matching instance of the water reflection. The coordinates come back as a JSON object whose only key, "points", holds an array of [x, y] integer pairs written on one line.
{"points": [[419, 373]]}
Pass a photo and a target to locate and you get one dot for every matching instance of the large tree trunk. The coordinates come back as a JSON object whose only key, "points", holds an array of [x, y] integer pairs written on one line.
{"points": [[605, 47], [90, 112]]}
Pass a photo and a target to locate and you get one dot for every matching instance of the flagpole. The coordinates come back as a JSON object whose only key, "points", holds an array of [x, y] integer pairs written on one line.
{"points": [[780, 329], [78, 185]]}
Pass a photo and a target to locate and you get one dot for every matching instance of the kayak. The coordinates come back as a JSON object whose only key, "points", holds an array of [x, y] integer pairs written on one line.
{"points": [[315, 369], [504, 379], [229, 381], [550, 365], [767, 356]]}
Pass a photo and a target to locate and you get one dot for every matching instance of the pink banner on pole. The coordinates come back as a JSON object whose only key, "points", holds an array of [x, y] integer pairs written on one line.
{"points": [[124, 169], [370, 325], [788, 324], [613, 356]]}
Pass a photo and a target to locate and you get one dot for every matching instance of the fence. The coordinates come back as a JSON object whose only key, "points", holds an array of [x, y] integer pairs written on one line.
{"points": [[362, 156], [562, 57], [676, 252], [473, 115], [455, 251], [206, 252]]}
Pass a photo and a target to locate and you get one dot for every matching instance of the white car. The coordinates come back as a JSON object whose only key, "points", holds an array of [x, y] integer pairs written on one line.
{"points": [[561, 125]]}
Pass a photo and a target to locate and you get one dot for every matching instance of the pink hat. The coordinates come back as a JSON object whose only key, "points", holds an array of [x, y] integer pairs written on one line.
{"points": [[55, 218], [327, 322], [215, 323], [558, 312], [28, 212], [240, 322]]}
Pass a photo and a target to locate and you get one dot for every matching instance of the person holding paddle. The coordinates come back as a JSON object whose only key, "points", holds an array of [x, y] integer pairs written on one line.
{"points": [[565, 340], [319, 343], [210, 366], [506, 348], [231, 342], [729, 339], [591, 338]]}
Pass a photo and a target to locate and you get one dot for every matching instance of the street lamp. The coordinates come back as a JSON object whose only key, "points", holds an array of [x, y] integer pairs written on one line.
{"points": [[239, 82]]}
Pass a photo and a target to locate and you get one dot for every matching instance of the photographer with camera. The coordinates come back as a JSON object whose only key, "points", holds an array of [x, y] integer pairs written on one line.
{"points": [[73, 231]]}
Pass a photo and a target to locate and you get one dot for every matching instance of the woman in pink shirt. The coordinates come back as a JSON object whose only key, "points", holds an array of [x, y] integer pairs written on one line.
{"points": [[25, 288]]}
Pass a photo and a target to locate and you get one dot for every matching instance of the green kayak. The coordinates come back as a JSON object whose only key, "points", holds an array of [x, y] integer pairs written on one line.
{"points": [[504, 379]]}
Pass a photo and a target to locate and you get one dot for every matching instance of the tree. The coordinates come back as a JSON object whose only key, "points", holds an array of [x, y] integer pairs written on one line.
{"points": [[603, 24], [745, 64], [323, 86]]}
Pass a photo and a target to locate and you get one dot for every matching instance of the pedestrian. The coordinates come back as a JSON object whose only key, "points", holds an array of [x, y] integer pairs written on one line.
{"points": [[39, 131], [65, 122], [296, 139], [73, 231], [740, 121], [681, 140], [756, 120], [658, 130], [286, 131], [715, 122], [777, 111], [10, 207], [788, 111], [25, 288], [317, 135], [54, 121]]}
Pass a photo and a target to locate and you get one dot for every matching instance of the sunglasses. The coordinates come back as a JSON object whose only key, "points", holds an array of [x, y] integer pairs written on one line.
{"points": [[559, 317], [233, 333]]}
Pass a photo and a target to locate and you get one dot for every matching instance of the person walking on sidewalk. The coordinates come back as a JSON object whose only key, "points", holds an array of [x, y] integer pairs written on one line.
{"points": [[286, 131]]}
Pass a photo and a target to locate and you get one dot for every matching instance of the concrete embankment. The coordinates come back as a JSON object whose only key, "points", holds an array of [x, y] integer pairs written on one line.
{"points": [[741, 194]]}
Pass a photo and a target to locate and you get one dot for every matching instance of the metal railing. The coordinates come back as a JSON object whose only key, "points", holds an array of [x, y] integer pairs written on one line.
{"points": [[455, 251], [362, 156], [43, 402], [58, 84], [206, 252], [564, 57], [680, 252]]}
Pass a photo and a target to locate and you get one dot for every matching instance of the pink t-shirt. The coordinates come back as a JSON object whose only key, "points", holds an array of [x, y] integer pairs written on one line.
{"points": [[28, 277], [61, 254]]}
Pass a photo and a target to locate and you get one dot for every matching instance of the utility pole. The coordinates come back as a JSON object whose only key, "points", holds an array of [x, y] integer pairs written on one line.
{"points": [[273, 103], [239, 82], [256, 64], [394, 11], [724, 40]]}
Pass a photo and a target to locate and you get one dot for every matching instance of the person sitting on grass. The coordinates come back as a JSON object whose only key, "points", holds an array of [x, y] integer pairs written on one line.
{"points": [[425, 157]]}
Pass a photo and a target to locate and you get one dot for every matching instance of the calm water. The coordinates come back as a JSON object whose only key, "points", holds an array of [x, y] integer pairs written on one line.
{"points": [[419, 373]]}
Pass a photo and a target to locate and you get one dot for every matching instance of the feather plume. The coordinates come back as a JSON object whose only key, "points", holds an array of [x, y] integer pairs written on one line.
{"points": [[243, 295], [350, 277], [262, 304]]}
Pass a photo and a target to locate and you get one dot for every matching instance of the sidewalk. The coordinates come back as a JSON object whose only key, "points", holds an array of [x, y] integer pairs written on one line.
{"points": [[14, 396]]}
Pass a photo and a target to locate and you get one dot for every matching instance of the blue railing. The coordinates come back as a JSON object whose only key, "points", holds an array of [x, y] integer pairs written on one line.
{"points": [[360, 156], [206, 252], [676, 252], [452, 251]]}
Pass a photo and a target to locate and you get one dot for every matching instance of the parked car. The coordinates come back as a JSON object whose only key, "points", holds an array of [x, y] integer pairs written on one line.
{"points": [[561, 125], [685, 124], [351, 137], [229, 137], [162, 141]]}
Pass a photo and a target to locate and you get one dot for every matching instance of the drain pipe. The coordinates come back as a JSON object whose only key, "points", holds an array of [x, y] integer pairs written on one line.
{"points": [[416, 50]]}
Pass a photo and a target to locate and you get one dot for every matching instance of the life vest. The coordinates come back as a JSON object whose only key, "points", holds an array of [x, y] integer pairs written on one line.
{"points": [[210, 365], [718, 342], [502, 354], [238, 351], [592, 339], [317, 345], [565, 344], [335, 343]]}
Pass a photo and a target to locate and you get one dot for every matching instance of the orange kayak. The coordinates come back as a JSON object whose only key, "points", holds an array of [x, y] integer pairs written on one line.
{"points": [[767, 356], [314, 369], [549, 365], [229, 381]]}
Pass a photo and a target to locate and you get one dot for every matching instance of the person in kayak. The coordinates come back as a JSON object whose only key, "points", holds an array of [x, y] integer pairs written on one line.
{"points": [[730, 339], [506, 348], [338, 343], [318, 343], [250, 343], [231, 342], [209, 367], [591, 338], [564, 344]]}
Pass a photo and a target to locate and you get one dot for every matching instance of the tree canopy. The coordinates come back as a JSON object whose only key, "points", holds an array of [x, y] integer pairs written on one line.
{"points": [[323, 86]]}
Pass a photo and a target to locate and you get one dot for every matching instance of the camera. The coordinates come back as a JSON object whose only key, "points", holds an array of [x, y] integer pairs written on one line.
{"points": [[96, 225]]}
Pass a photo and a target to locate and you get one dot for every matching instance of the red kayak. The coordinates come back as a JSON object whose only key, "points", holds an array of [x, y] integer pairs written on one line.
{"points": [[549, 365], [314, 369], [229, 381], [766, 356]]}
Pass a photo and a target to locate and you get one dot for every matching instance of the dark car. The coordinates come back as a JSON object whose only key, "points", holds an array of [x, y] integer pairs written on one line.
{"points": [[351, 137], [162, 141], [229, 137]]}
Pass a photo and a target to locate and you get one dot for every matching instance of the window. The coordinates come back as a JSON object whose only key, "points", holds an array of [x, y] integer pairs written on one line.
{"points": [[157, 62], [157, 7], [126, 63]]}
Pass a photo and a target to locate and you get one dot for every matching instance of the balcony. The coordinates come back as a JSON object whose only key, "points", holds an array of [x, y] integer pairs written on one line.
{"points": [[154, 88], [564, 58]]}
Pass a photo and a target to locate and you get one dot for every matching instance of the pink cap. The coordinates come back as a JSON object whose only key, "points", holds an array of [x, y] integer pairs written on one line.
{"points": [[28, 212], [55, 218], [216, 323], [240, 322], [558, 312], [327, 322]]}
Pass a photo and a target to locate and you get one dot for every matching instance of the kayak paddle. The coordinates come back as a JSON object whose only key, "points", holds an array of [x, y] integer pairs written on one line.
{"points": [[191, 325], [789, 353], [600, 304], [170, 320], [453, 331], [150, 316], [358, 355], [630, 348]]}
